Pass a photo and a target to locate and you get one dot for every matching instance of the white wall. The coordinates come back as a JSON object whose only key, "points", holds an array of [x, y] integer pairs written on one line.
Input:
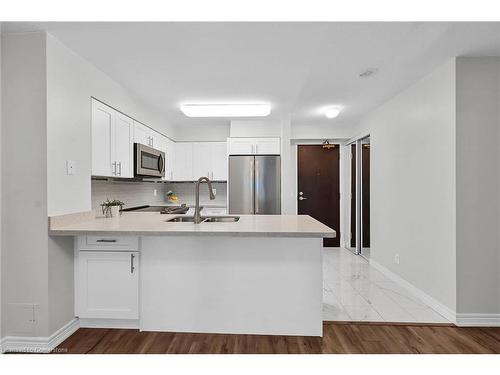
{"points": [[334, 131], [478, 185], [255, 128], [24, 182], [413, 184], [212, 133], [71, 81]]}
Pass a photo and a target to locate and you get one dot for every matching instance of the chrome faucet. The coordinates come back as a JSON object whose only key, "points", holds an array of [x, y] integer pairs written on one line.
{"points": [[197, 209]]}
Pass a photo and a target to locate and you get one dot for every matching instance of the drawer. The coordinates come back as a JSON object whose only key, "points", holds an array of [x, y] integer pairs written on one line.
{"points": [[125, 243]]}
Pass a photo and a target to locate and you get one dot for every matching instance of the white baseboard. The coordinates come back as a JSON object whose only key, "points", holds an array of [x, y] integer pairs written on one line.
{"points": [[478, 320], [38, 344], [109, 323], [418, 293]]}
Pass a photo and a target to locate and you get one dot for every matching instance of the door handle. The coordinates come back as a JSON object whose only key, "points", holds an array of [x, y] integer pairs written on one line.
{"points": [[161, 164], [301, 198]]}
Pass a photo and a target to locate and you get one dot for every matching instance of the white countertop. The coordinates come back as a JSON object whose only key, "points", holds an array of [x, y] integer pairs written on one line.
{"points": [[153, 223]]}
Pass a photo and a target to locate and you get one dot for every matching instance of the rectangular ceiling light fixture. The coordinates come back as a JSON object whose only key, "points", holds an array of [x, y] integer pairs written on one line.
{"points": [[226, 110]]}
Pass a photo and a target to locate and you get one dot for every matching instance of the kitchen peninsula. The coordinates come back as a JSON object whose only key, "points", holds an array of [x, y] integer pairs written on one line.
{"points": [[261, 274]]}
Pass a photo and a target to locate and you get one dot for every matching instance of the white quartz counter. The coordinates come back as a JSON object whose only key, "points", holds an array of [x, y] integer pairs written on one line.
{"points": [[152, 223]]}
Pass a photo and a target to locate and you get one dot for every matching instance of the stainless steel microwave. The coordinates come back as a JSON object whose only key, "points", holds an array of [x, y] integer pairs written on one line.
{"points": [[148, 162]]}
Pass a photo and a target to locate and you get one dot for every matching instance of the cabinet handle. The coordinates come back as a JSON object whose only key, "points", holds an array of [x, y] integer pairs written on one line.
{"points": [[113, 170], [120, 165], [132, 268], [105, 240]]}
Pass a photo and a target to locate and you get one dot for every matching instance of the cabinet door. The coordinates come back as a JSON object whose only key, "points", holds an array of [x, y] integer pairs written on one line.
{"points": [[108, 285], [202, 166], [241, 146], [102, 129], [169, 160], [142, 134], [183, 170], [123, 146], [219, 161], [267, 146], [157, 140]]}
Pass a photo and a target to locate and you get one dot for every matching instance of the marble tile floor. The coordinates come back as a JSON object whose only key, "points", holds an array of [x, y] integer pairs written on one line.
{"points": [[355, 291]]}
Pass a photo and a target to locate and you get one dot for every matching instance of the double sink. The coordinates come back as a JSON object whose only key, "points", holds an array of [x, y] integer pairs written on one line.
{"points": [[204, 219]]}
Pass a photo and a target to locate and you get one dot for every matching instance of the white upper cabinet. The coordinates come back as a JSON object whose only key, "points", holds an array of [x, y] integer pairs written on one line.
{"points": [[112, 146], [254, 146], [193, 160], [169, 160], [183, 168], [267, 146], [142, 134], [219, 161], [202, 163], [123, 146], [210, 160], [147, 136], [240, 146], [102, 133]]}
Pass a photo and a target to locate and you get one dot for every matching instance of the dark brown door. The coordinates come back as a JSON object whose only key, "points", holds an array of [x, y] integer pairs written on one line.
{"points": [[319, 186]]}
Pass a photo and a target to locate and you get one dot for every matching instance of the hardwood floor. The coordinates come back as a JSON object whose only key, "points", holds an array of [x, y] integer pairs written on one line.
{"points": [[361, 338]]}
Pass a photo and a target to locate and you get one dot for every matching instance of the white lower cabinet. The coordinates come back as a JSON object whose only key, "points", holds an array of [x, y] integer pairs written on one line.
{"points": [[108, 284]]}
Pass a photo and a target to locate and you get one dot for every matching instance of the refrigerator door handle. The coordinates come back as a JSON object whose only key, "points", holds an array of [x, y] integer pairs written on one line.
{"points": [[257, 189], [252, 185]]}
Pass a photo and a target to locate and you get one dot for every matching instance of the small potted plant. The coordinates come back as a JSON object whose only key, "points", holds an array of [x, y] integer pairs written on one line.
{"points": [[172, 197], [112, 208]]}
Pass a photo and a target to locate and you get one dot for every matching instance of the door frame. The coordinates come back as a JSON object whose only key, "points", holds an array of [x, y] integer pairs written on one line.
{"points": [[336, 141], [359, 196]]}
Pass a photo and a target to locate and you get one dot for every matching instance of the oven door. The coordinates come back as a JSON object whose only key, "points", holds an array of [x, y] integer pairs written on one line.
{"points": [[149, 162]]}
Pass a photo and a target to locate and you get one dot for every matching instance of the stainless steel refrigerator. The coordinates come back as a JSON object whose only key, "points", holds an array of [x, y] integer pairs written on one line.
{"points": [[255, 185]]}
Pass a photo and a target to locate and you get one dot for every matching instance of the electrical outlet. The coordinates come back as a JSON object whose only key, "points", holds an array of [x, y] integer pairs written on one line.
{"points": [[155, 192], [70, 167], [396, 258]]}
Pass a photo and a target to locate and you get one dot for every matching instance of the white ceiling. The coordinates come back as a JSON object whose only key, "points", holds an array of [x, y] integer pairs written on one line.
{"points": [[297, 67]]}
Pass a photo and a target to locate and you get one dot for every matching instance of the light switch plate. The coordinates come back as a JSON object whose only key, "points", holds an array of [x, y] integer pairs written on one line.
{"points": [[70, 167]]}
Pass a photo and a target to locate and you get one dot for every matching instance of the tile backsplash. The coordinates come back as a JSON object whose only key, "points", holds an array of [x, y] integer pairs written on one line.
{"points": [[185, 192], [132, 193], [135, 193]]}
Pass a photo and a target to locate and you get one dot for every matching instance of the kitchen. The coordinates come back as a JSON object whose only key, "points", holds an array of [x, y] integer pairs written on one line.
{"points": [[158, 207]]}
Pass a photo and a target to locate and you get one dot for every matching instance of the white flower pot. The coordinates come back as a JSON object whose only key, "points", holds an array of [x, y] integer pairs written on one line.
{"points": [[115, 211]]}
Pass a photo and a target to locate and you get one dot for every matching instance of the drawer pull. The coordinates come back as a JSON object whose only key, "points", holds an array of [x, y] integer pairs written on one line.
{"points": [[107, 241]]}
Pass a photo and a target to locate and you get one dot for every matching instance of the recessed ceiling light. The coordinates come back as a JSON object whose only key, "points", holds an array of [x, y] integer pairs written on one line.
{"points": [[332, 112], [226, 110], [368, 72]]}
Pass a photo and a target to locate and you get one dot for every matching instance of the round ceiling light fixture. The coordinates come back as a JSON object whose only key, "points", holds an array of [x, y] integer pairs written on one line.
{"points": [[368, 72], [332, 112]]}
